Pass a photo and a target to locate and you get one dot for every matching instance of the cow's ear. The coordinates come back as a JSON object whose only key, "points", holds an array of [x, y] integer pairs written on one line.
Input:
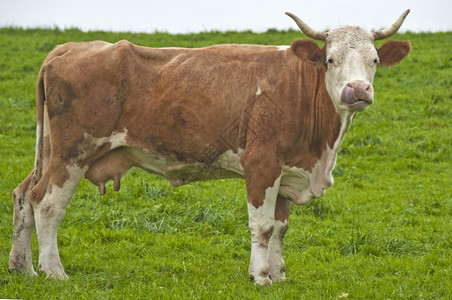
{"points": [[392, 52], [308, 49]]}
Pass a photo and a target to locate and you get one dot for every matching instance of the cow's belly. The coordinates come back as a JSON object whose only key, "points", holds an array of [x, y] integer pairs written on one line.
{"points": [[117, 162], [179, 173], [297, 184]]}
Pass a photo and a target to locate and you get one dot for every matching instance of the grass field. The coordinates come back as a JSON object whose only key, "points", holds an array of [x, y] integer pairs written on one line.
{"points": [[383, 231]]}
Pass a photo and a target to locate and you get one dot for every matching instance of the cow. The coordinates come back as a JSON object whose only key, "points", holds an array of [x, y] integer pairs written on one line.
{"points": [[273, 115]]}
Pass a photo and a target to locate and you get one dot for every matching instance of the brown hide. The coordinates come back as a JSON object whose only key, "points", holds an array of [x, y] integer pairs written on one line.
{"points": [[192, 104]]}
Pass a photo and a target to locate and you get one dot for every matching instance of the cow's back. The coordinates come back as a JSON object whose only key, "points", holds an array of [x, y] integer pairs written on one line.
{"points": [[198, 97]]}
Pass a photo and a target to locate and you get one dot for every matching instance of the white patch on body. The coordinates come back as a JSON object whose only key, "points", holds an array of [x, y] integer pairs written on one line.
{"points": [[116, 139], [179, 173], [259, 91], [231, 161], [283, 48], [295, 185]]}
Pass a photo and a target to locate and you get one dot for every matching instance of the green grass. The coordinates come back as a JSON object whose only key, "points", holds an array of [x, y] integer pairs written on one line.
{"points": [[383, 231]]}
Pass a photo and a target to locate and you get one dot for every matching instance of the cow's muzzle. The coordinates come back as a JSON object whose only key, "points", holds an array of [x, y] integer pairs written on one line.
{"points": [[357, 95]]}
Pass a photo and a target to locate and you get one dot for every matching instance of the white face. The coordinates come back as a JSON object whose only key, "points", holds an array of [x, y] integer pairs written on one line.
{"points": [[351, 60]]}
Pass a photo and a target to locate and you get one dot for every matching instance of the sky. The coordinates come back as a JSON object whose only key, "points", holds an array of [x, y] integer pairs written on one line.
{"points": [[191, 16]]}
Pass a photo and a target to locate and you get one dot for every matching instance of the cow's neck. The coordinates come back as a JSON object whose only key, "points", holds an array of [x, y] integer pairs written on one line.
{"points": [[320, 127], [308, 168]]}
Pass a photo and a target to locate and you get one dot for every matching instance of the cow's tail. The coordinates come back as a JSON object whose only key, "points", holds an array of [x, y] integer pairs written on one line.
{"points": [[40, 98]]}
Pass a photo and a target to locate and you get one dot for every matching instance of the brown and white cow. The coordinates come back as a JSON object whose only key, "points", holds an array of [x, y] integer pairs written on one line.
{"points": [[275, 116]]}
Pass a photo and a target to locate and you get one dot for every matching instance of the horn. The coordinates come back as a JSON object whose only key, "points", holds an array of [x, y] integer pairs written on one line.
{"points": [[317, 35], [387, 32]]}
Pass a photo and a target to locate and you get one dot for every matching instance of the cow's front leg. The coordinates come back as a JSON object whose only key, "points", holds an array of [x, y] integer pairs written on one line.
{"points": [[275, 246], [261, 210]]}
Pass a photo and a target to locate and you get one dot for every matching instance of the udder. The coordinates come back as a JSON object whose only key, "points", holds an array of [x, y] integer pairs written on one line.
{"points": [[111, 166]]}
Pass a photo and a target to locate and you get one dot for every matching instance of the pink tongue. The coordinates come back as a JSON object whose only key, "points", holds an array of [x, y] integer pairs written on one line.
{"points": [[348, 95]]}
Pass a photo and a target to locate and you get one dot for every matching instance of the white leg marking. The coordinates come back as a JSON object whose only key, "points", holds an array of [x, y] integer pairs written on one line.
{"points": [[48, 215], [261, 221], [20, 257], [275, 251]]}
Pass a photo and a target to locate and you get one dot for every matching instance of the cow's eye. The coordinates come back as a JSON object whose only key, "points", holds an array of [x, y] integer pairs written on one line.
{"points": [[330, 60], [376, 61]]}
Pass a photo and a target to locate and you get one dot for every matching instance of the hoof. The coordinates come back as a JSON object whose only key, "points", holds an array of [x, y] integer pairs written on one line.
{"points": [[278, 277], [57, 276], [54, 276], [259, 280], [30, 272]]}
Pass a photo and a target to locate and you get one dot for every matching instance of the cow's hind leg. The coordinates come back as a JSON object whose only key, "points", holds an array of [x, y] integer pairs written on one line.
{"points": [[20, 259], [275, 246], [50, 211]]}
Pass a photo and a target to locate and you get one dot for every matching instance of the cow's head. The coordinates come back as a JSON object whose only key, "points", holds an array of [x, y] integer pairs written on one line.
{"points": [[351, 59]]}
